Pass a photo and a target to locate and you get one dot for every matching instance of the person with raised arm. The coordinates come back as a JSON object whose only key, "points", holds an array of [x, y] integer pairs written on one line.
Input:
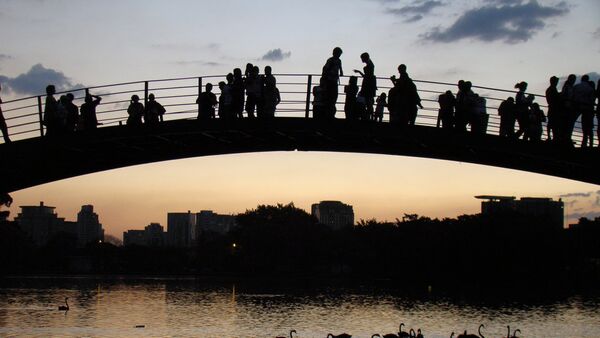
{"points": [[368, 88], [88, 111]]}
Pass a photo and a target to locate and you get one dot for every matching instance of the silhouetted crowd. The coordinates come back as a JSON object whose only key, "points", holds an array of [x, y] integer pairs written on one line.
{"points": [[258, 96], [262, 95], [564, 109]]}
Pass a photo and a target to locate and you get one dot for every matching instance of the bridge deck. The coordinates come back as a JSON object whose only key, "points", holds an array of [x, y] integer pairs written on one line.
{"points": [[34, 161]]}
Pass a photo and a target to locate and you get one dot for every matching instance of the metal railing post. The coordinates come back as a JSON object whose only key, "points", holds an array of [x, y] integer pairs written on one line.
{"points": [[145, 93], [199, 92], [41, 112], [308, 87]]}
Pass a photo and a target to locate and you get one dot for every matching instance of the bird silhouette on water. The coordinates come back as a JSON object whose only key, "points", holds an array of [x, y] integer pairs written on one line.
{"points": [[514, 335], [341, 335], [291, 334], [64, 307], [465, 335]]}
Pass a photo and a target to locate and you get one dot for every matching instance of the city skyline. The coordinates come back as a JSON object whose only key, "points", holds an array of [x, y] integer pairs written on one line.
{"points": [[512, 41], [195, 221]]}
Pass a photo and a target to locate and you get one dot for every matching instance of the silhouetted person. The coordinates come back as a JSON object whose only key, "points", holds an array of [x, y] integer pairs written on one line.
{"points": [[536, 119], [253, 90], [583, 99], [3, 126], [479, 116], [61, 114], [237, 93], [135, 111], [508, 117], [225, 101], [248, 70], [568, 108], [408, 99], [522, 109], [598, 108], [50, 118], [332, 70], [461, 111], [447, 102], [351, 90], [380, 107], [207, 101], [554, 110], [72, 113], [154, 111], [368, 88], [88, 111], [270, 93], [319, 100], [393, 104]]}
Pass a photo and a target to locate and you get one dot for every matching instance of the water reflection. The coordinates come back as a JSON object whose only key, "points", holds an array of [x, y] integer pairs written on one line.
{"points": [[170, 307]]}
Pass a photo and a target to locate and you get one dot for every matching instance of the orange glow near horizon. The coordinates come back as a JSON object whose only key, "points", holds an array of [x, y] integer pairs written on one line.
{"points": [[378, 186]]}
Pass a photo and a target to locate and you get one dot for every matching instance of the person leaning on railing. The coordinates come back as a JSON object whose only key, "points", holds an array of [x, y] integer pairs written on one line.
{"points": [[207, 100]]}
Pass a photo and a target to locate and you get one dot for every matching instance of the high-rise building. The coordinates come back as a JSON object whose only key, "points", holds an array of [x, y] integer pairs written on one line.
{"points": [[89, 229], [153, 235], [552, 212], [206, 220], [40, 223], [181, 229], [334, 214], [134, 237]]}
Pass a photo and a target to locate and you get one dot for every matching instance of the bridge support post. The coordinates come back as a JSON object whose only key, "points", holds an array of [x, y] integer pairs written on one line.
{"points": [[41, 112], [308, 86]]}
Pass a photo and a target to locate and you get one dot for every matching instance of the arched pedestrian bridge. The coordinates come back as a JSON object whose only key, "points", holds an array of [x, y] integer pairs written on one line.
{"points": [[32, 159]]}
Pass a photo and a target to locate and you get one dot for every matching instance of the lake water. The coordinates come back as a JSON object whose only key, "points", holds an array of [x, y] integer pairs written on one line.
{"points": [[188, 308]]}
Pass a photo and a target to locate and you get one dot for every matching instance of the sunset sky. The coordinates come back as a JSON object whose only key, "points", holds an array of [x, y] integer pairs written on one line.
{"points": [[494, 43]]}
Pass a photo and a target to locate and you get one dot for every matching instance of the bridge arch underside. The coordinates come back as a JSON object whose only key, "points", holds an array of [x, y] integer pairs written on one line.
{"points": [[36, 161]]}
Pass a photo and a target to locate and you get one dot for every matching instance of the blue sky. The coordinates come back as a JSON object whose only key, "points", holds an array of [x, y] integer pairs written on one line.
{"points": [[493, 43]]}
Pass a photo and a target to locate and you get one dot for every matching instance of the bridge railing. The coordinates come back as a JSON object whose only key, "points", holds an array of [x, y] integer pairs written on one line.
{"points": [[178, 95]]}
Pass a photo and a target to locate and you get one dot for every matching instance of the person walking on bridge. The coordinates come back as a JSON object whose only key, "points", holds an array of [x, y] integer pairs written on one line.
{"points": [[332, 70]]}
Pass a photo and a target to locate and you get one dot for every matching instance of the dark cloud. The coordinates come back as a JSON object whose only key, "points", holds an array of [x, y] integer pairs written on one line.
{"points": [[570, 204], [576, 194], [36, 79], [504, 2], [199, 63], [588, 214], [508, 21], [416, 10], [276, 55], [5, 57], [414, 18]]}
